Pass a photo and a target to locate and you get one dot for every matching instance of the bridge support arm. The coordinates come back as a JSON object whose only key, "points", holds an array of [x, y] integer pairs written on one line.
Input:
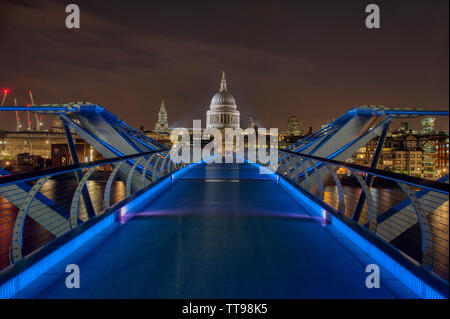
{"points": [[369, 178], [73, 153]]}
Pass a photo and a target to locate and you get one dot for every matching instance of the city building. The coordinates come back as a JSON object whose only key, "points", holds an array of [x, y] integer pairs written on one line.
{"points": [[161, 133], [442, 157], [429, 159], [435, 156], [57, 125], [222, 111], [162, 138], [162, 126], [404, 127], [293, 134], [61, 154], [294, 126], [21, 151], [32, 142], [251, 121], [422, 153], [428, 125], [28, 162]]}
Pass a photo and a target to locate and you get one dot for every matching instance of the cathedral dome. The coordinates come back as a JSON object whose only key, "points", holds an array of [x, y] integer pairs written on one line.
{"points": [[222, 111], [223, 100]]}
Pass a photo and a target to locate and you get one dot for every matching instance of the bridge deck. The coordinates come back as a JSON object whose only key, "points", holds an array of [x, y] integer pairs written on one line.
{"points": [[224, 231]]}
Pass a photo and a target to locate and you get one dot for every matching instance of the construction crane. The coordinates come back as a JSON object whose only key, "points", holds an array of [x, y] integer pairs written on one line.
{"points": [[19, 123], [28, 119], [5, 93], [39, 122]]}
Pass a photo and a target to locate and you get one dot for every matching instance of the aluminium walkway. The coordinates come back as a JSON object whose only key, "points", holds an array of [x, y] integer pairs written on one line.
{"points": [[223, 231]]}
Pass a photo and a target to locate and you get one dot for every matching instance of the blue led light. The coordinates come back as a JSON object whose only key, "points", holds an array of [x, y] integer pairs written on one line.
{"points": [[23, 279], [410, 280], [417, 285]]}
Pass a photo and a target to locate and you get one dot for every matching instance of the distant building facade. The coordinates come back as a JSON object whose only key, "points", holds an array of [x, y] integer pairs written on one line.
{"points": [[223, 111], [162, 126], [162, 138], [57, 125], [61, 154], [18, 150], [251, 121], [427, 125], [294, 126], [32, 142], [422, 153]]}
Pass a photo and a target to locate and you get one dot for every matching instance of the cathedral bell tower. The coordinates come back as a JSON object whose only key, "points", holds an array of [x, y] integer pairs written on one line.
{"points": [[162, 126]]}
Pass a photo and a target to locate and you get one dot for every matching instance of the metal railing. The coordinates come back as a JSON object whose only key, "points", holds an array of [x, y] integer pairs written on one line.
{"points": [[40, 206], [409, 213]]}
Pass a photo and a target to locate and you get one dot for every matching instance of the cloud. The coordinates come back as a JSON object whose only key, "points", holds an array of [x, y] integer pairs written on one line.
{"points": [[129, 69]]}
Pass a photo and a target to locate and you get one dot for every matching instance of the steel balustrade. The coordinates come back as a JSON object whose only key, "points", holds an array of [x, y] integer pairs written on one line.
{"points": [[49, 191], [412, 215]]}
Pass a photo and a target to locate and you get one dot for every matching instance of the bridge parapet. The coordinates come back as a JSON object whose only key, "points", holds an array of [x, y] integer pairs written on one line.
{"points": [[38, 207], [410, 214]]}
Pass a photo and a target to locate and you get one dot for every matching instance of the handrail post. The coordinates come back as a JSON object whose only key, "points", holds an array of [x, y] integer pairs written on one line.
{"points": [[78, 173]]}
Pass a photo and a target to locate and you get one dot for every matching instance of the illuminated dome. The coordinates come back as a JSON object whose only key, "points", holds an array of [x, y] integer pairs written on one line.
{"points": [[223, 100], [222, 111]]}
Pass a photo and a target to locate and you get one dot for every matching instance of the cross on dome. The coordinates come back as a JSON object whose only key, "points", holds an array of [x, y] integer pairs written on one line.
{"points": [[223, 83]]}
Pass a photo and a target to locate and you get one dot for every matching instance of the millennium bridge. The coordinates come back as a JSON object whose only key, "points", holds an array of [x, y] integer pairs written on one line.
{"points": [[139, 225]]}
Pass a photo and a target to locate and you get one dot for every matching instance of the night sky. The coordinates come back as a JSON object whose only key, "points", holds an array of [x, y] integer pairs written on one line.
{"points": [[312, 59]]}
